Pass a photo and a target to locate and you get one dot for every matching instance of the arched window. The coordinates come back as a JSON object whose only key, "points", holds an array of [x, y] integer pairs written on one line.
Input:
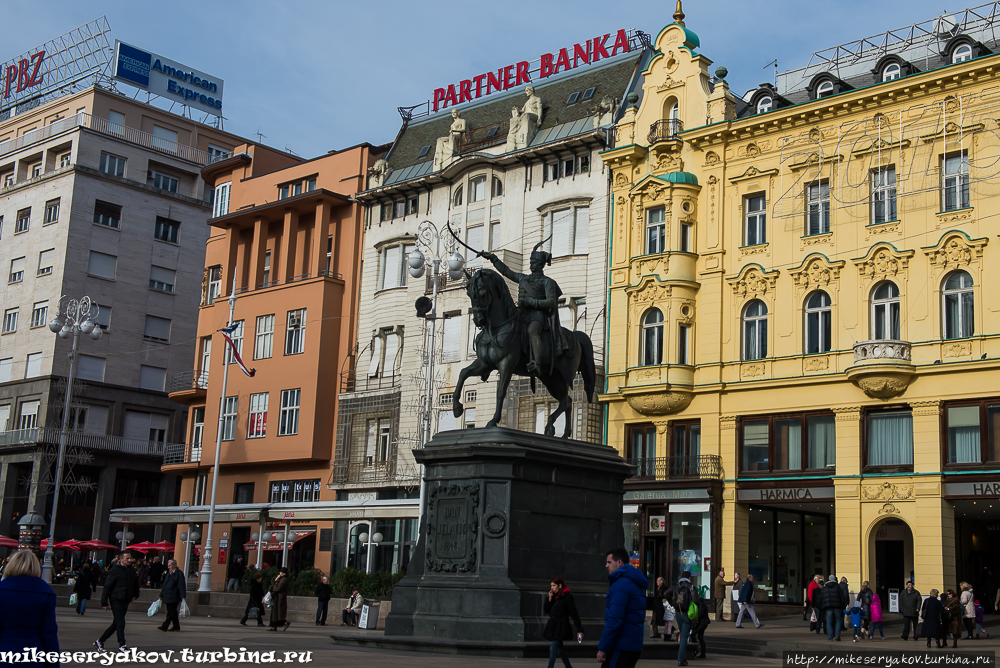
{"points": [[885, 311], [891, 71], [673, 116], [652, 338], [962, 53], [497, 187], [824, 89], [458, 196], [765, 104], [958, 306], [818, 323], [755, 331]]}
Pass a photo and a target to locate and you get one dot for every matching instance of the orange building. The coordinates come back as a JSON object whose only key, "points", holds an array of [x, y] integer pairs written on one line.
{"points": [[286, 232]]}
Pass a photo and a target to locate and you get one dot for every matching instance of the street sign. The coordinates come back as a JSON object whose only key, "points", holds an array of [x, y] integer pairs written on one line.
{"points": [[893, 600]]}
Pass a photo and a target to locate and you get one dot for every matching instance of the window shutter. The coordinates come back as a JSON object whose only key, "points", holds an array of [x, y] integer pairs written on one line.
{"points": [[102, 264], [376, 357], [581, 229], [4, 417], [136, 425], [97, 420], [562, 232], [390, 271], [452, 343], [157, 328], [162, 275], [90, 368], [17, 265], [152, 378], [391, 350]]}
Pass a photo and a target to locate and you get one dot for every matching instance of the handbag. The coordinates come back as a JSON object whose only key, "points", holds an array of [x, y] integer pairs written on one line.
{"points": [[736, 594], [253, 613], [267, 599], [72, 598]]}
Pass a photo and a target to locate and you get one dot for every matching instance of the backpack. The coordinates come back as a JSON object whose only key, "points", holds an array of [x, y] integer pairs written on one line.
{"points": [[686, 600]]}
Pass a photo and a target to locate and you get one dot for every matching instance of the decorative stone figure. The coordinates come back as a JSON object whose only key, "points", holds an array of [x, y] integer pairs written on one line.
{"points": [[524, 124], [379, 172], [448, 146], [604, 111]]}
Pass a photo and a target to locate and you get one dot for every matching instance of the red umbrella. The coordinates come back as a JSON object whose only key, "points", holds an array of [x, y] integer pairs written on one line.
{"points": [[98, 545], [8, 542], [162, 546], [144, 546], [70, 544]]}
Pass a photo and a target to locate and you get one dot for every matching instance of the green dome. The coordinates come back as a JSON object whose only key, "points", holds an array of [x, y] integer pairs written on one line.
{"points": [[680, 177], [691, 38]]}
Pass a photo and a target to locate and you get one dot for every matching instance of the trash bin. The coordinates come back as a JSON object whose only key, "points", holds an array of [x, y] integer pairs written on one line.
{"points": [[369, 615]]}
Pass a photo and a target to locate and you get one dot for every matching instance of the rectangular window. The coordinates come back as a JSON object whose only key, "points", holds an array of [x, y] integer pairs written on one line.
{"points": [[568, 231], [818, 208], [295, 335], [283, 192], [102, 265], [568, 167], [45, 260], [656, 230], [955, 181], [90, 368], [683, 341], [197, 432], [108, 214], [104, 317], [39, 314], [116, 121], [288, 421], [220, 205], [8, 179], [152, 377], [311, 185], [257, 420], [452, 340], [166, 230], [297, 188], [10, 320], [264, 337], [686, 246], [755, 221], [229, 412], [28, 417], [157, 329], [821, 441], [237, 337], [411, 205], [393, 268], [218, 153], [33, 365], [6, 364], [474, 237], [36, 170], [16, 270], [890, 439], [477, 189], [164, 182], [640, 448], [788, 443], [161, 278], [964, 445], [214, 284], [755, 445], [550, 172], [64, 160], [243, 492], [52, 211], [584, 164], [23, 221], [883, 195], [112, 164], [267, 270], [164, 138]]}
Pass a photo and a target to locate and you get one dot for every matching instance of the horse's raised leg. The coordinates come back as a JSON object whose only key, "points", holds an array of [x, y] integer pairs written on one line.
{"points": [[566, 405], [477, 368], [505, 369], [557, 388]]}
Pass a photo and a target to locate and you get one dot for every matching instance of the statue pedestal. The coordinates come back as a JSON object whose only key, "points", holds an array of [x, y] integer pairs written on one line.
{"points": [[506, 511]]}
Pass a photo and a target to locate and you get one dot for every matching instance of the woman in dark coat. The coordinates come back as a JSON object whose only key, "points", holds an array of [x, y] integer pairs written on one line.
{"points": [[930, 615], [954, 626], [27, 609], [256, 599], [83, 588], [560, 607], [279, 602], [659, 594], [698, 630]]}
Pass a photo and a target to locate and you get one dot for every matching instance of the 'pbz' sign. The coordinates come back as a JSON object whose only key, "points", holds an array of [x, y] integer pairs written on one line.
{"points": [[25, 73]]}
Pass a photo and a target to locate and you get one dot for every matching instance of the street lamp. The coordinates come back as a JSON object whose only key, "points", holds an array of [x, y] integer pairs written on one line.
{"points": [[124, 537], [429, 238], [72, 317], [370, 541]]}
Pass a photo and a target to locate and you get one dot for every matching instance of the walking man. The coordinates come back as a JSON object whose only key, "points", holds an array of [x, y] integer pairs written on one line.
{"points": [[747, 594], [353, 608], [719, 594], [173, 592], [909, 606], [323, 598], [684, 596], [625, 613], [833, 602], [121, 587], [236, 571]]}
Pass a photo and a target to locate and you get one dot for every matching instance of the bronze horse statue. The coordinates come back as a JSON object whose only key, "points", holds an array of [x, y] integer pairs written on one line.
{"points": [[502, 346]]}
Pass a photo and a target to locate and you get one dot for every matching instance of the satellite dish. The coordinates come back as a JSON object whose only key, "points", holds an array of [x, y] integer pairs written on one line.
{"points": [[423, 305], [945, 26]]}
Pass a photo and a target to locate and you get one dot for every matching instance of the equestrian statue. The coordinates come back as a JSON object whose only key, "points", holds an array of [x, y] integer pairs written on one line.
{"points": [[525, 339]]}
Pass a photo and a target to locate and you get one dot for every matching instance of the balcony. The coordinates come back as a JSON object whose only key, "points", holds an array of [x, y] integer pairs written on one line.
{"points": [[882, 369], [182, 453], [358, 380], [119, 444], [699, 467], [188, 387], [374, 472], [665, 130]]}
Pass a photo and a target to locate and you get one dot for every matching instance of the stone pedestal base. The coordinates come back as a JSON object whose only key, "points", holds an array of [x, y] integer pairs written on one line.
{"points": [[506, 512]]}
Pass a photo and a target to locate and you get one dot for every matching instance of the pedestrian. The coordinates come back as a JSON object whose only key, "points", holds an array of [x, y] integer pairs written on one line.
{"points": [[875, 615], [142, 572], [174, 591], [746, 600], [561, 608], [847, 601], [322, 592], [256, 600], [155, 572], [833, 604], [865, 598], [931, 613], [27, 609], [816, 601], [669, 615], [686, 600], [968, 610], [856, 620], [353, 609], [83, 589], [279, 601], [909, 607], [121, 587], [620, 645], [979, 621], [734, 597], [719, 594], [810, 611], [236, 571], [954, 608], [659, 594], [698, 630]]}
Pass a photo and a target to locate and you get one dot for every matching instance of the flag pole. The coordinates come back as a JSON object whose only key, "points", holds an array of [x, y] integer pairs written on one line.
{"points": [[206, 567]]}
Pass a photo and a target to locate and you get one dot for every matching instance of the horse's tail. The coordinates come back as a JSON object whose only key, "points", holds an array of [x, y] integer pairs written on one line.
{"points": [[587, 368]]}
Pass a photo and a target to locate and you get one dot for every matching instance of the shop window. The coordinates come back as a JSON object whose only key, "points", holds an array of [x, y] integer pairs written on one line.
{"points": [[640, 449], [691, 542], [755, 221], [788, 443], [656, 228], [786, 549], [885, 312], [972, 431], [818, 323], [883, 184], [890, 439], [755, 331], [652, 338], [958, 306]]}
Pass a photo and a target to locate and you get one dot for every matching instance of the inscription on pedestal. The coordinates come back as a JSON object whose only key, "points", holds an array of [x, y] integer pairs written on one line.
{"points": [[452, 528]]}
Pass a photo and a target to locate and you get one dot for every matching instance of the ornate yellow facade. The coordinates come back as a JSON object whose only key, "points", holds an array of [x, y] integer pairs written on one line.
{"points": [[797, 296]]}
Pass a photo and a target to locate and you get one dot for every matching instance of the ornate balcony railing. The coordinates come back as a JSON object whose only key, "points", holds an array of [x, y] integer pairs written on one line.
{"points": [[699, 467], [358, 380], [665, 130], [131, 446], [182, 453], [885, 349], [482, 137], [189, 380], [374, 472]]}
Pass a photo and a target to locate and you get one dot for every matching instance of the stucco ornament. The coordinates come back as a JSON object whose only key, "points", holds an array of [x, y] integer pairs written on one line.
{"points": [[955, 251], [883, 388], [887, 491], [524, 122], [379, 172], [883, 261], [604, 111], [659, 403], [447, 147], [753, 282], [816, 272]]}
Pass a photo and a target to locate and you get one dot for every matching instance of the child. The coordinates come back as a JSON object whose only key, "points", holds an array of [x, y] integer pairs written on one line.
{"points": [[979, 622], [876, 615], [668, 620], [856, 619]]}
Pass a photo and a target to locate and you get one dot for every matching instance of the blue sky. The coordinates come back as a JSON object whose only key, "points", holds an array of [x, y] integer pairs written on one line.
{"points": [[314, 76]]}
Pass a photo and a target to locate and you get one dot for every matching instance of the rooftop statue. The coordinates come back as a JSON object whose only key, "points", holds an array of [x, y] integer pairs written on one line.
{"points": [[447, 147], [524, 123]]}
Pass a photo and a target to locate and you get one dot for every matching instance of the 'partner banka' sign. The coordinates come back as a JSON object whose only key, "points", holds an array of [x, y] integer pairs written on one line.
{"points": [[520, 73]]}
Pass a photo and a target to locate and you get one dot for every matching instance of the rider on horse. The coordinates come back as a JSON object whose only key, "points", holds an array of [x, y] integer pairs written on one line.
{"points": [[538, 303]]}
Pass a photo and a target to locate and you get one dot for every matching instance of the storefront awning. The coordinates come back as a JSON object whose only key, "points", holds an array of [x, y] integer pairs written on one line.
{"points": [[690, 507], [383, 509], [273, 544], [235, 512]]}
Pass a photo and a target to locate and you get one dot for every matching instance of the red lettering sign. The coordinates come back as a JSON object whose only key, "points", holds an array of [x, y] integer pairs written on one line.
{"points": [[289, 513], [26, 74], [241, 516], [126, 519]]}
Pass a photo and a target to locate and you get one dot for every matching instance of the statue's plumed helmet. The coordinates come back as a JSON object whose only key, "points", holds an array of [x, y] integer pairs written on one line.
{"points": [[538, 254]]}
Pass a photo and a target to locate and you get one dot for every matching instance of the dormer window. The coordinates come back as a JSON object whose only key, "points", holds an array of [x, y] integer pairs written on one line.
{"points": [[424, 150], [891, 71], [824, 89], [573, 97], [589, 93], [962, 53], [765, 104]]}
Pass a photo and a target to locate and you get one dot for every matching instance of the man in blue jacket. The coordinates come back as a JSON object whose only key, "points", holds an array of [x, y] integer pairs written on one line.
{"points": [[625, 615]]}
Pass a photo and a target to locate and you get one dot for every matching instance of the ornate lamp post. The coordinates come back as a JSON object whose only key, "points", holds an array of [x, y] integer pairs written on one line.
{"points": [[370, 541], [73, 316], [429, 238]]}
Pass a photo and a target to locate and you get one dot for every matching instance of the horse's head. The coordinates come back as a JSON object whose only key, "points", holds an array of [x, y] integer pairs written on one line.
{"points": [[479, 294]]}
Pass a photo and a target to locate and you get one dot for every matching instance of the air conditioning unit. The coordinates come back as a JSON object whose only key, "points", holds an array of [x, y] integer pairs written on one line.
{"points": [[295, 320]]}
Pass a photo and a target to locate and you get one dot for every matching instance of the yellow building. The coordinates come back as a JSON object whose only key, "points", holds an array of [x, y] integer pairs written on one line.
{"points": [[802, 349]]}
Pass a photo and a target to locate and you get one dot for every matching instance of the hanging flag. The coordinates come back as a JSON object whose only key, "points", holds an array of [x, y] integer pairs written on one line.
{"points": [[226, 331]]}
